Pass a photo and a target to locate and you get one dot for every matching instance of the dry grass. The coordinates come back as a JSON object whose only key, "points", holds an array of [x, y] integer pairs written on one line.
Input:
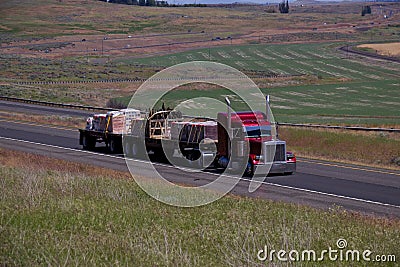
{"points": [[379, 149], [92, 94], [15, 159], [62, 213], [53, 120], [387, 49]]}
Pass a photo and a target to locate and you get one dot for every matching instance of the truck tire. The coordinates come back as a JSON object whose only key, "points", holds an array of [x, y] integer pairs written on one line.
{"points": [[113, 146], [127, 149], [138, 151], [134, 149], [249, 169], [88, 143]]}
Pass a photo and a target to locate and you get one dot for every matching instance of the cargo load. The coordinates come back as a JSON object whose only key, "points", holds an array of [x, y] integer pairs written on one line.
{"points": [[130, 115], [89, 123], [176, 128], [118, 122], [99, 122], [211, 130], [115, 122], [194, 132], [137, 127]]}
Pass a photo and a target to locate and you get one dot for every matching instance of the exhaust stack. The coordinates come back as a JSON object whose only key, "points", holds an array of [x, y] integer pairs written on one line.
{"points": [[229, 126], [274, 126], [267, 108], [228, 103]]}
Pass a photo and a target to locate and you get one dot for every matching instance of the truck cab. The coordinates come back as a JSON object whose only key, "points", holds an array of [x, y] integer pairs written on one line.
{"points": [[252, 133]]}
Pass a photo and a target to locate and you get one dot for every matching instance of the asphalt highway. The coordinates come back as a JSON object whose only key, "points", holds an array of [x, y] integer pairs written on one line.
{"points": [[316, 183], [42, 110]]}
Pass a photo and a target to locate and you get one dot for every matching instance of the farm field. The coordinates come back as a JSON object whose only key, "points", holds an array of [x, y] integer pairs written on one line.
{"points": [[28, 20], [352, 90], [371, 103], [320, 59], [245, 37], [319, 84], [359, 103], [387, 49]]}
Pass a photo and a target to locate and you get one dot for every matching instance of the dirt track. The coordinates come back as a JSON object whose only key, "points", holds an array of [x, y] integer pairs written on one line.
{"points": [[350, 49]]}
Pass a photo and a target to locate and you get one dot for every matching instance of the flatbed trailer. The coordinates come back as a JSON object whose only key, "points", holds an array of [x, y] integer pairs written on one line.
{"points": [[89, 138]]}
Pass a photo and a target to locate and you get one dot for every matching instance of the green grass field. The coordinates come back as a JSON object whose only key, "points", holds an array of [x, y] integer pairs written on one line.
{"points": [[374, 103], [320, 59], [352, 91], [57, 213], [345, 90]]}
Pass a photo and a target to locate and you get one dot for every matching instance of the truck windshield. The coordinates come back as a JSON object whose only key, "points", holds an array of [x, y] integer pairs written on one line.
{"points": [[258, 131]]}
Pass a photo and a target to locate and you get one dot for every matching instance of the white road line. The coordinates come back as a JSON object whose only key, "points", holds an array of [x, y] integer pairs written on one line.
{"points": [[328, 194], [228, 176], [348, 167]]}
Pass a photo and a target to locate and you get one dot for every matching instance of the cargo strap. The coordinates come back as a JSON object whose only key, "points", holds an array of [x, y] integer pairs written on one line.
{"points": [[108, 123]]}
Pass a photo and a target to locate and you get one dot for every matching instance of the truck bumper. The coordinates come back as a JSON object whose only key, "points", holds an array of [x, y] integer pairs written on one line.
{"points": [[290, 167], [276, 168]]}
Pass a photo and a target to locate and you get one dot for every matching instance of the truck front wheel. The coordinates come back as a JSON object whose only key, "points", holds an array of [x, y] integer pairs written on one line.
{"points": [[249, 169]]}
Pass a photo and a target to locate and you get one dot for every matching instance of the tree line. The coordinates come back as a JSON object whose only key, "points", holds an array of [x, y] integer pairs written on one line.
{"points": [[284, 7], [365, 10], [161, 3]]}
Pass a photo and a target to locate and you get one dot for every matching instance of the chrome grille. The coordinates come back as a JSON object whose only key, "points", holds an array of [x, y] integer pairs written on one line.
{"points": [[280, 153], [268, 149]]}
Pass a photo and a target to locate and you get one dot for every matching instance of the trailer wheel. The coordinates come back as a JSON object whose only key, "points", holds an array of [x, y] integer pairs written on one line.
{"points": [[88, 143], [127, 149], [137, 151], [134, 149], [112, 146]]}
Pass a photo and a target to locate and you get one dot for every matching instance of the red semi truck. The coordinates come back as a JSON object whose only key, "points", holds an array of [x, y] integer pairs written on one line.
{"points": [[236, 140]]}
